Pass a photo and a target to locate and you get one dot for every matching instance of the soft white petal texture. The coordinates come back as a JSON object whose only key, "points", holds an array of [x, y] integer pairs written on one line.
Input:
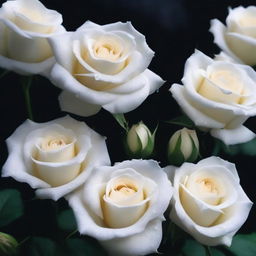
{"points": [[217, 95], [235, 207], [222, 56], [199, 118], [218, 30], [19, 165], [121, 99], [24, 35], [132, 245], [72, 104], [240, 134], [87, 206], [237, 38], [148, 82], [23, 68], [89, 67]]}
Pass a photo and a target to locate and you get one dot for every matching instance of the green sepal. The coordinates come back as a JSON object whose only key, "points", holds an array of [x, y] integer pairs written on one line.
{"points": [[195, 152], [183, 121], [120, 118], [176, 156], [148, 150]]}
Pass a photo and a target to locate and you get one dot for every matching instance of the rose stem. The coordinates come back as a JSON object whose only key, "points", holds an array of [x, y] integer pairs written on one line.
{"points": [[26, 87], [24, 240], [208, 251], [71, 234], [4, 73]]}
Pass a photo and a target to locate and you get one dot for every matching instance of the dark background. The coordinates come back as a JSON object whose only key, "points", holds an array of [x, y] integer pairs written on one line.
{"points": [[173, 29]]}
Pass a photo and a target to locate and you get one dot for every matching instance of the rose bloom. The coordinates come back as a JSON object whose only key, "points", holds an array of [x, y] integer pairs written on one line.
{"points": [[25, 26], [54, 157], [103, 66], [218, 96], [122, 206], [238, 37], [208, 201]]}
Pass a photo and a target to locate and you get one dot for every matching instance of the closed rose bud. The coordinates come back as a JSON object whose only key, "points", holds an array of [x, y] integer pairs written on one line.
{"points": [[183, 147], [8, 245], [140, 141]]}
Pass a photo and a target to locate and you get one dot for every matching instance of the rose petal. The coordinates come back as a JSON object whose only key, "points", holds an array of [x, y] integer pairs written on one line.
{"points": [[198, 211], [219, 30], [72, 104], [148, 82], [143, 243], [198, 117], [241, 134], [23, 68]]}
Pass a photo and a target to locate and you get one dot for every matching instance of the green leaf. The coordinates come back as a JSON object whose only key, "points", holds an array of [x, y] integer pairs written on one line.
{"points": [[121, 120], [182, 121], [11, 206], [216, 252], [244, 245], [191, 246], [248, 148], [41, 246], [66, 220], [82, 247]]}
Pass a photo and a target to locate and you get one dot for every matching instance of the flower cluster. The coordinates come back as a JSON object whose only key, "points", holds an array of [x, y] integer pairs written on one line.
{"points": [[123, 204]]}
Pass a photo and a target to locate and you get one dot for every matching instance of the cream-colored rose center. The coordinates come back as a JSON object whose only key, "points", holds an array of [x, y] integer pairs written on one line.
{"points": [[107, 49], [125, 192], [222, 86], [200, 193], [53, 143], [208, 186], [122, 192], [123, 202]]}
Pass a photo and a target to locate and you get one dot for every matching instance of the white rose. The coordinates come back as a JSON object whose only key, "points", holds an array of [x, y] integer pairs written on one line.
{"points": [[103, 66], [54, 157], [208, 201], [122, 206], [218, 96], [25, 26], [238, 38]]}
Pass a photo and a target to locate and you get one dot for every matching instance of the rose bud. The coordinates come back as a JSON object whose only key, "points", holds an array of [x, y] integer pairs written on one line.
{"points": [[8, 244], [183, 147], [140, 141]]}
